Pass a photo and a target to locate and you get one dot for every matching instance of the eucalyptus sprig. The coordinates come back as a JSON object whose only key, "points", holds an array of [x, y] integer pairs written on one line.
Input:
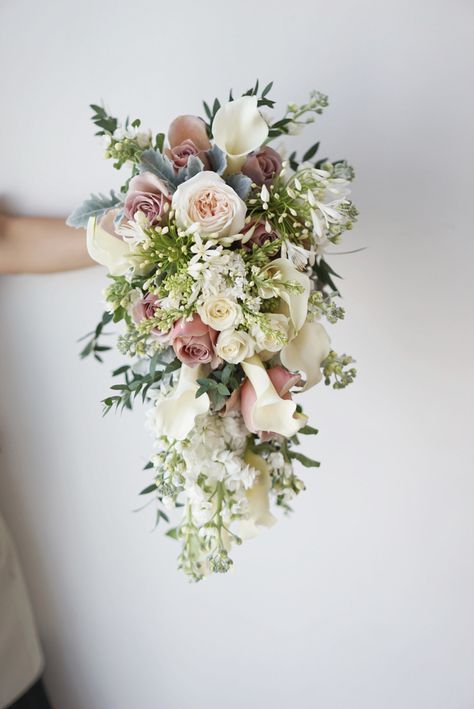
{"points": [[135, 383], [220, 383], [93, 346]]}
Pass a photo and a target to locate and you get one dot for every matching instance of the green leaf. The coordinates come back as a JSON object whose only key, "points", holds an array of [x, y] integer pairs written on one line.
{"points": [[308, 431], [101, 119], [148, 465], [118, 314], [87, 350], [172, 366], [311, 152], [148, 489], [135, 384], [121, 370], [159, 141], [172, 533], [304, 460], [267, 89]]}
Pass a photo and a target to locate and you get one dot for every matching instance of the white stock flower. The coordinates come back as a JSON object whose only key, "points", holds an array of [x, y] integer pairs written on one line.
{"points": [[219, 313], [234, 346], [258, 503], [207, 204], [296, 303], [306, 352], [238, 128], [174, 415], [108, 250]]}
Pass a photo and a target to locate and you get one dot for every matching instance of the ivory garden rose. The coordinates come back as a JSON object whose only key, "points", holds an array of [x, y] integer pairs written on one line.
{"points": [[209, 205]]}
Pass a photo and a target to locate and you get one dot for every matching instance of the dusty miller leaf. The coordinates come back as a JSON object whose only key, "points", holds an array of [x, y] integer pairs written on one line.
{"points": [[218, 159], [161, 165], [240, 183], [95, 206]]}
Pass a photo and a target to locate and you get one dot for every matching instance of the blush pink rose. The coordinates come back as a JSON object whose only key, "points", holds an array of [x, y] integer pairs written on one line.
{"points": [[259, 236], [262, 166], [147, 194], [194, 342], [187, 135], [145, 309], [282, 380]]}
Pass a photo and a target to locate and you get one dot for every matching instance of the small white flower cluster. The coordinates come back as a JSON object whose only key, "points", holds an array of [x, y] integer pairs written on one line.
{"points": [[208, 472], [286, 485], [325, 194], [141, 137], [212, 454], [217, 271]]}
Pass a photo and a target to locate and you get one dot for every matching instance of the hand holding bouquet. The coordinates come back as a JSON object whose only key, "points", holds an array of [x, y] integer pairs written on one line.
{"points": [[215, 248]]}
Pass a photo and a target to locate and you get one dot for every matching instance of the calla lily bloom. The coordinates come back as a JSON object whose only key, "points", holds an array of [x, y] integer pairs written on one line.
{"points": [[306, 352], [238, 128], [296, 304], [263, 409], [257, 498], [105, 247], [175, 414]]}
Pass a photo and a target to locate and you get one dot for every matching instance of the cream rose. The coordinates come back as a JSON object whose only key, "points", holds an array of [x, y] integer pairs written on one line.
{"points": [[220, 313], [234, 346], [207, 203], [265, 340]]}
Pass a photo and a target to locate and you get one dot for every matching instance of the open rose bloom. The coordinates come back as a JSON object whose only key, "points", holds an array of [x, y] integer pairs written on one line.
{"points": [[216, 251]]}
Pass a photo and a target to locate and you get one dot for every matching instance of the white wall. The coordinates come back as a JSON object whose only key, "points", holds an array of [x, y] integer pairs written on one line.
{"points": [[362, 599]]}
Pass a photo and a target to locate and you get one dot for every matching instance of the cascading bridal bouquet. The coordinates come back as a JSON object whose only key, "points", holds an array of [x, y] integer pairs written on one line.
{"points": [[215, 247]]}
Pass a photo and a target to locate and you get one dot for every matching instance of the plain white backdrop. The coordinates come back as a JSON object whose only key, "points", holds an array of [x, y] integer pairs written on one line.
{"points": [[363, 599]]}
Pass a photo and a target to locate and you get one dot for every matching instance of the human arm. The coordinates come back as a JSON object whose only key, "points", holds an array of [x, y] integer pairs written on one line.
{"points": [[40, 245]]}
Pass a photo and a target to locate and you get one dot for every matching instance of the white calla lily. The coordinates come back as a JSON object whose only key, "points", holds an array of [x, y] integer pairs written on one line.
{"points": [[296, 303], [259, 514], [269, 412], [306, 352], [238, 128], [176, 413], [108, 250]]}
